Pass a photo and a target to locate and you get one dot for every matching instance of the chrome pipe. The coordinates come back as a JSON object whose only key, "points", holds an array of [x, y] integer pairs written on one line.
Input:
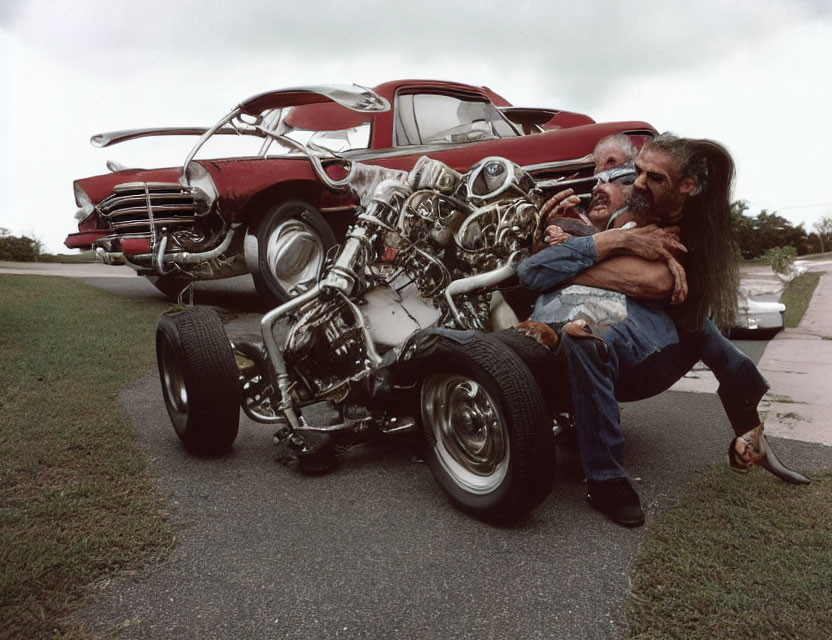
{"points": [[109, 257], [558, 182], [333, 281], [183, 179], [375, 359], [159, 255], [277, 363], [479, 281], [193, 258], [314, 160], [562, 165]]}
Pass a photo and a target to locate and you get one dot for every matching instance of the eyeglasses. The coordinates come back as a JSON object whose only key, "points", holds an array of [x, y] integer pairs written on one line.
{"points": [[625, 175]]}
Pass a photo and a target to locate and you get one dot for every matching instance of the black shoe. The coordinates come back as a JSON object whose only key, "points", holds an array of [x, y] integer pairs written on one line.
{"points": [[617, 500]]}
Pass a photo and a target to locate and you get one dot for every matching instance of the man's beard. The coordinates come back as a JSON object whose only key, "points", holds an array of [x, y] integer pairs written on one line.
{"points": [[643, 208]]}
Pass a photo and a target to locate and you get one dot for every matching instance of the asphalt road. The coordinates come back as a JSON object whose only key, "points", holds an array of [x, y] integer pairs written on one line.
{"points": [[374, 550]]}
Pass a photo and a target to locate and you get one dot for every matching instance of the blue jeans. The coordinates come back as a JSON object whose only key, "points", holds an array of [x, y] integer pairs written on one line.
{"points": [[636, 358], [630, 364]]}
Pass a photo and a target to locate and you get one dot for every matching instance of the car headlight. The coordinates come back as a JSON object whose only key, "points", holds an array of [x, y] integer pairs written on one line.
{"points": [[199, 178]]}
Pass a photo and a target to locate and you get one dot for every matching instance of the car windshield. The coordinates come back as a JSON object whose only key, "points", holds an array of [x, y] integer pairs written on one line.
{"points": [[357, 137], [426, 118], [326, 126]]}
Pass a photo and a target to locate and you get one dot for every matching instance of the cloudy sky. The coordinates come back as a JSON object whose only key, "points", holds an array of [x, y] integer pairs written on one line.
{"points": [[754, 75]]}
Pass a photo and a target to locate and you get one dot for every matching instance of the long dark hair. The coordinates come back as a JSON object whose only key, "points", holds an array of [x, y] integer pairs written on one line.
{"points": [[711, 267]]}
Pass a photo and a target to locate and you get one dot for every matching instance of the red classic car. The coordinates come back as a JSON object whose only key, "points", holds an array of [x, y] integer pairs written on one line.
{"points": [[276, 212]]}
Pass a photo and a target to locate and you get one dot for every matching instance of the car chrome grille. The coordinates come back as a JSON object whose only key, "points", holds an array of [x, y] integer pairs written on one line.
{"points": [[133, 205]]}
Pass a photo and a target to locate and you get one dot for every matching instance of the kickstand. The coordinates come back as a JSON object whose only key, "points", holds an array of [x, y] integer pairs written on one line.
{"points": [[186, 296]]}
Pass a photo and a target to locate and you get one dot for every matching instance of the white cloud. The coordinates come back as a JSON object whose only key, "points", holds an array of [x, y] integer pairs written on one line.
{"points": [[750, 74]]}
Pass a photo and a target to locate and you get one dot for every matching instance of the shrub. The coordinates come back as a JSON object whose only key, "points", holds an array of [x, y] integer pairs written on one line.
{"points": [[780, 258], [18, 248]]}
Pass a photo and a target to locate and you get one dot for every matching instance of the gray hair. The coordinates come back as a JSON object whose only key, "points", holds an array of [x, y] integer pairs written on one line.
{"points": [[618, 140]]}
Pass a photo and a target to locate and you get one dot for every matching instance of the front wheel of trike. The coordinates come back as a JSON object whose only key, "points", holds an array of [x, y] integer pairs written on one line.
{"points": [[199, 379], [488, 436]]}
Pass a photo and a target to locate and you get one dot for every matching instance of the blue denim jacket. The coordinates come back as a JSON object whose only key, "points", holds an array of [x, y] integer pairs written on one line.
{"points": [[553, 266]]}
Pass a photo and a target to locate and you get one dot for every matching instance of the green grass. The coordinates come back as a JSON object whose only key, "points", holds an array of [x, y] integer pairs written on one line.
{"points": [[68, 258], [75, 501], [740, 557], [797, 295]]}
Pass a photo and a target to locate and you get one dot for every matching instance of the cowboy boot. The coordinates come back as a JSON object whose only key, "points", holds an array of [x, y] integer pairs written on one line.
{"points": [[752, 448]]}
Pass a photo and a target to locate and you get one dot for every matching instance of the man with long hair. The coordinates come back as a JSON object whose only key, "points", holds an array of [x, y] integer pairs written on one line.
{"points": [[683, 188]]}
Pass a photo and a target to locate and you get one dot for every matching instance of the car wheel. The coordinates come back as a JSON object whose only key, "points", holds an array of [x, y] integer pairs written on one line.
{"points": [[292, 240], [199, 379], [488, 436]]}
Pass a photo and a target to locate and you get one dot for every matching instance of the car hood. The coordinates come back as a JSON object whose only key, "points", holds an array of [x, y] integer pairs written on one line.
{"points": [[352, 96]]}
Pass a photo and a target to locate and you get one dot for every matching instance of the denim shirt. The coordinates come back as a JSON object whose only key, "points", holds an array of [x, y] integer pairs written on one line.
{"points": [[551, 267], [634, 328], [554, 265]]}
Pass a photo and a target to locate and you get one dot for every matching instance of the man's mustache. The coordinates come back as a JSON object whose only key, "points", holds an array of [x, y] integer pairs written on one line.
{"points": [[642, 206], [637, 203]]}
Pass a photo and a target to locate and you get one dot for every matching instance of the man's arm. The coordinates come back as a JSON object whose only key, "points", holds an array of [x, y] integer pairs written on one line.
{"points": [[640, 264], [557, 264], [647, 268], [635, 277]]}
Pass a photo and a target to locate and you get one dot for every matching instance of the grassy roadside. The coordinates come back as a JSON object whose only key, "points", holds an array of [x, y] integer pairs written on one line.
{"points": [[797, 295], [75, 502], [740, 557]]}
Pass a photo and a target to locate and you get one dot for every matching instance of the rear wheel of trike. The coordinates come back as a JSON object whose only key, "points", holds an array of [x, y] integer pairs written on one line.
{"points": [[199, 379], [489, 439]]}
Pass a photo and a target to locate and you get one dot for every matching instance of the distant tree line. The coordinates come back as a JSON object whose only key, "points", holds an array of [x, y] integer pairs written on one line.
{"points": [[755, 236], [19, 248]]}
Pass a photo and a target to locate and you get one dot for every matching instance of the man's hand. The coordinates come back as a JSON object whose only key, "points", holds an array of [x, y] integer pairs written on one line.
{"points": [[650, 243], [653, 243], [563, 203], [554, 235], [680, 281]]}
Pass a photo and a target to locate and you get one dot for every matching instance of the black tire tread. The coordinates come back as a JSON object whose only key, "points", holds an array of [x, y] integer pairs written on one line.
{"points": [[531, 435], [210, 373]]}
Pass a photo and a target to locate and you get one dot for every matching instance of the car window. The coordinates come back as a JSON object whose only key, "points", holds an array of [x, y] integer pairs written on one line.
{"points": [[427, 118], [336, 141], [327, 126]]}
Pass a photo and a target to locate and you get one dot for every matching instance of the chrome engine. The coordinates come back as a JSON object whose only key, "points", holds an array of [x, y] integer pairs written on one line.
{"points": [[428, 248]]}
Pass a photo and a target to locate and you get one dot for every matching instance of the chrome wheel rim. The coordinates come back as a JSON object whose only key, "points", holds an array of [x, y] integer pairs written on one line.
{"points": [[469, 434], [173, 381], [294, 255]]}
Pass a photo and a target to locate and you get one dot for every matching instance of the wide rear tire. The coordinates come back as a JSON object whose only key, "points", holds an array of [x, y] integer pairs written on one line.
{"points": [[489, 438], [199, 379]]}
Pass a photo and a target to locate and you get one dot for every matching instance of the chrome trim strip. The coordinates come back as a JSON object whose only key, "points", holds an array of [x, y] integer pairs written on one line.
{"points": [[110, 138], [137, 224]]}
